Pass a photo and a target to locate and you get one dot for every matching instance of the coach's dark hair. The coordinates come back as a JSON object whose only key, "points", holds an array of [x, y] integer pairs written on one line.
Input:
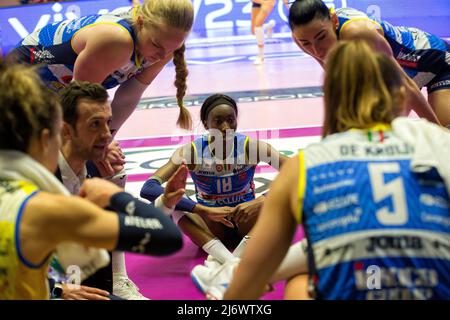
{"points": [[302, 12], [76, 91], [215, 100], [27, 107]]}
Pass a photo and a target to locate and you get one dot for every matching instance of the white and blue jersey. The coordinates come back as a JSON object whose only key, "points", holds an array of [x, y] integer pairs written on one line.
{"points": [[376, 229], [51, 46], [424, 57], [222, 182]]}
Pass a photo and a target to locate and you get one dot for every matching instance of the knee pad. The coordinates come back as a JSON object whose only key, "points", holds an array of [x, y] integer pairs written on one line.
{"points": [[259, 34]]}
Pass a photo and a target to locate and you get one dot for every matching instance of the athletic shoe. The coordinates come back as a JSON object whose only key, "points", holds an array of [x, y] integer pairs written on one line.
{"points": [[212, 262], [269, 28], [201, 276], [258, 60], [220, 280], [127, 289]]}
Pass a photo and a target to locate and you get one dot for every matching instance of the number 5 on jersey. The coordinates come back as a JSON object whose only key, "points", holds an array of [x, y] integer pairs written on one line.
{"points": [[394, 189]]}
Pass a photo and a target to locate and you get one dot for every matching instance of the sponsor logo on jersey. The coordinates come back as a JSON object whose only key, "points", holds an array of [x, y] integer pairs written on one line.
{"points": [[204, 172], [239, 168], [444, 83], [395, 283], [218, 197], [394, 242], [55, 85], [231, 200], [44, 56], [409, 60]]}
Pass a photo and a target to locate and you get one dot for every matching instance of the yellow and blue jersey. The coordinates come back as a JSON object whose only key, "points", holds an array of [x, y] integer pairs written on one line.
{"points": [[222, 182], [19, 278], [376, 228], [51, 46], [424, 57]]}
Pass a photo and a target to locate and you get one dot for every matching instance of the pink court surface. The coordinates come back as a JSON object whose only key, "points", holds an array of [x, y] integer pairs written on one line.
{"points": [[279, 102]]}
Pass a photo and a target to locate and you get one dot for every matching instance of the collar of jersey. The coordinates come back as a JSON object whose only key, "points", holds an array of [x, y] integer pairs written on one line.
{"points": [[375, 127]]}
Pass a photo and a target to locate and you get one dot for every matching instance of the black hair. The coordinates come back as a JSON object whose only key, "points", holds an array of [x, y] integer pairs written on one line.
{"points": [[213, 101], [302, 12]]}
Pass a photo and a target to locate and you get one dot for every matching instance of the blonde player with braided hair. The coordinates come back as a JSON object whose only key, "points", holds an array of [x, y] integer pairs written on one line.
{"points": [[127, 49]]}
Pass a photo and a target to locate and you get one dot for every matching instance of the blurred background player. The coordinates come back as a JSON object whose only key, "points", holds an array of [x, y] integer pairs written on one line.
{"points": [[261, 9], [422, 58]]}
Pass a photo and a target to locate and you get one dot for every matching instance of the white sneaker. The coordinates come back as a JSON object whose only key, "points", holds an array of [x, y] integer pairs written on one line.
{"points": [[269, 28], [126, 289], [212, 262], [202, 274], [220, 280], [258, 60]]}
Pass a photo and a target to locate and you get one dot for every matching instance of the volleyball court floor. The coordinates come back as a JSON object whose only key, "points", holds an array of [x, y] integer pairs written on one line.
{"points": [[279, 102]]}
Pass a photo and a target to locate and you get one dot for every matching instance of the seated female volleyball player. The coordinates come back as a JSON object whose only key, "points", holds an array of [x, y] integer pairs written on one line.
{"points": [[36, 211], [421, 57], [372, 195], [222, 164], [126, 49]]}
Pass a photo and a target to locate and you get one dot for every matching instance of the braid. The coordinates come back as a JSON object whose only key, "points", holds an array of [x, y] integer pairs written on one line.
{"points": [[181, 73]]}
